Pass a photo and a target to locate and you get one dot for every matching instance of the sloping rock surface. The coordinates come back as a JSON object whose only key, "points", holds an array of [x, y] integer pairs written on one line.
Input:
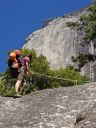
{"points": [[69, 107]]}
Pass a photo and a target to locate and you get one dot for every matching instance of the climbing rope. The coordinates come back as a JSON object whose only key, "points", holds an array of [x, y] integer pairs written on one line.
{"points": [[58, 78]]}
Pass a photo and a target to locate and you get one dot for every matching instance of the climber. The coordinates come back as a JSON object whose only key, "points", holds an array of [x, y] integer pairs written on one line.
{"points": [[15, 64], [19, 68]]}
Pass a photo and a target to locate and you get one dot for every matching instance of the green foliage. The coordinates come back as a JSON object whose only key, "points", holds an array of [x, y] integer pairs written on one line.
{"points": [[83, 18], [2, 88], [40, 65], [72, 25], [83, 59], [90, 30], [29, 52], [29, 89], [44, 82], [2, 74], [61, 77], [89, 23], [9, 92], [92, 9], [71, 74], [4, 91]]}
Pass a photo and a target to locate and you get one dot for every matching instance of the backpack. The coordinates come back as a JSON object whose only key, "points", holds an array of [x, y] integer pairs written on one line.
{"points": [[23, 61]]}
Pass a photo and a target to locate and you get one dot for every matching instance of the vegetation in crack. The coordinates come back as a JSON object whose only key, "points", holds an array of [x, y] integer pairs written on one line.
{"points": [[72, 25], [88, 25], [83, 59]]}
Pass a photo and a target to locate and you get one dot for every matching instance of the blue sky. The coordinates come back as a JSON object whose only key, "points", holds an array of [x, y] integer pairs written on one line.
{"points": [[19, 18]]}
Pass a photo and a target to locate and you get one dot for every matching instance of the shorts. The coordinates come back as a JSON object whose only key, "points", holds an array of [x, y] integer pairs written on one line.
{"points": [[20, 76]]}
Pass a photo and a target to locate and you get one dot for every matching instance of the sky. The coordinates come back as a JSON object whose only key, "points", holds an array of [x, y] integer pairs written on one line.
{"points": [[19, 18]]}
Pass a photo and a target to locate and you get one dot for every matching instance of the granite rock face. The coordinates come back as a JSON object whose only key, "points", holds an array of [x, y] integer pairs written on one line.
{"points": [[69, 107], [56, 41], [59, 43]]}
